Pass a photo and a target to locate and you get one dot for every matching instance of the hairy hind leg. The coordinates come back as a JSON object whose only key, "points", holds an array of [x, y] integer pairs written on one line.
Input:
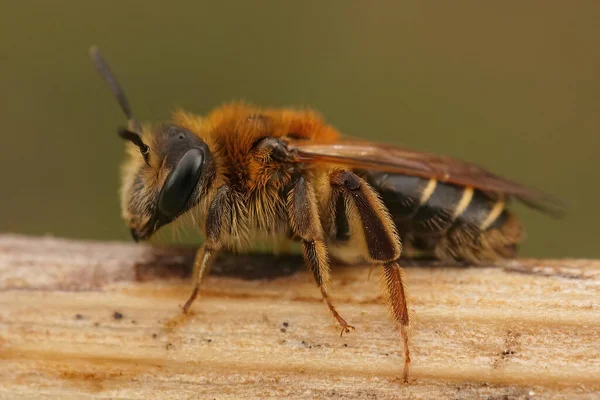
{"points": [[369, 219], [305, 222], [396, 293]]}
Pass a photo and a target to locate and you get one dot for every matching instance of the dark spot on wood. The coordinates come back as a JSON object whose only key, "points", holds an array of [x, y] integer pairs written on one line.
{"points": [[209, 340], [168, 346], [286, 324], [154, 335], [283, 330], [117, 315], [78, 316]]}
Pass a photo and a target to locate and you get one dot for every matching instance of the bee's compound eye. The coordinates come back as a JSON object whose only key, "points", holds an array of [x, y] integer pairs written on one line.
{"points": [[181, 183]]}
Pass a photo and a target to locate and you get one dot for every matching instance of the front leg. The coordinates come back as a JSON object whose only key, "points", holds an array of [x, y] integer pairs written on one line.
{"points": [[218, 217], [202, 263], [305, 222]]}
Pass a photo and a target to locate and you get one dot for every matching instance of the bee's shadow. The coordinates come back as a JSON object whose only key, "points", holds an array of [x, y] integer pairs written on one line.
{"points": [[177, 262]]}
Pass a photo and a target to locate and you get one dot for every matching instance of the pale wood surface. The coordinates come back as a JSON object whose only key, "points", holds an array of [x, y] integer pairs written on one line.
{"points": [[527, 329]]}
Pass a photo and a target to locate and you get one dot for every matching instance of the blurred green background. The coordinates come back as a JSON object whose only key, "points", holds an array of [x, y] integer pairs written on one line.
{"points": [[513, 86]]}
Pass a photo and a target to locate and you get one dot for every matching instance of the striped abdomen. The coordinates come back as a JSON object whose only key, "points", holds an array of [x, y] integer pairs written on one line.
{"points": [[445, 220]]}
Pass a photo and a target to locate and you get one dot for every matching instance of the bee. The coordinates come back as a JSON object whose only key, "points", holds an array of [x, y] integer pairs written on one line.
{"points": [[247, 174]]}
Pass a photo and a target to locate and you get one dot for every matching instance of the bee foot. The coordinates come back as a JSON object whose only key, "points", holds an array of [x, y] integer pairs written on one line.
{"points": [[346, 329]]}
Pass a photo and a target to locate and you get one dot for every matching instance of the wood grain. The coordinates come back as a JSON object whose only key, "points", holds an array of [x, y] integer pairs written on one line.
{"points": [[102, 320]]}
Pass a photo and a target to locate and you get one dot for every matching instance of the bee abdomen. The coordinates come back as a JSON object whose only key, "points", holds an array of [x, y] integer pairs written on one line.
{"points": [[446, 220]]}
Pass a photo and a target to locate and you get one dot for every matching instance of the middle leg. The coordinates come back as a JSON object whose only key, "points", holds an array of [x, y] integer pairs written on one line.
{"points": [[305, 223]]}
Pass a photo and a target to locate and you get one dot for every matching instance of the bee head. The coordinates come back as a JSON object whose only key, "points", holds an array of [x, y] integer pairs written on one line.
{"points": [[168, 172]]}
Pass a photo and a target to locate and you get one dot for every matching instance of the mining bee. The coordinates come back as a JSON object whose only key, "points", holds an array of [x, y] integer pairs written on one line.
{"points": [[246, 174]]}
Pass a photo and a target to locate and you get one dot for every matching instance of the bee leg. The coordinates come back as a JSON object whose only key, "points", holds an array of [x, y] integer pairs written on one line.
{"points": [[202, 262], [382, 243], [218, 215], [393, 274], [305, 223]]}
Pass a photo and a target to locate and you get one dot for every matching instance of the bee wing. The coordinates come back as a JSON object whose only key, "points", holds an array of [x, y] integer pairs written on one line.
{"points": [[382, 157]]}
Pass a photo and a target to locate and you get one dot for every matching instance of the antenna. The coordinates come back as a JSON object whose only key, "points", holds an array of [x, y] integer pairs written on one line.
{"points": [[132, 132]]}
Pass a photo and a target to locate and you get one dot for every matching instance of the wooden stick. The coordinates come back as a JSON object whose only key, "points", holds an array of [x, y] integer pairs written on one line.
{"points": [[102, 320]]}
